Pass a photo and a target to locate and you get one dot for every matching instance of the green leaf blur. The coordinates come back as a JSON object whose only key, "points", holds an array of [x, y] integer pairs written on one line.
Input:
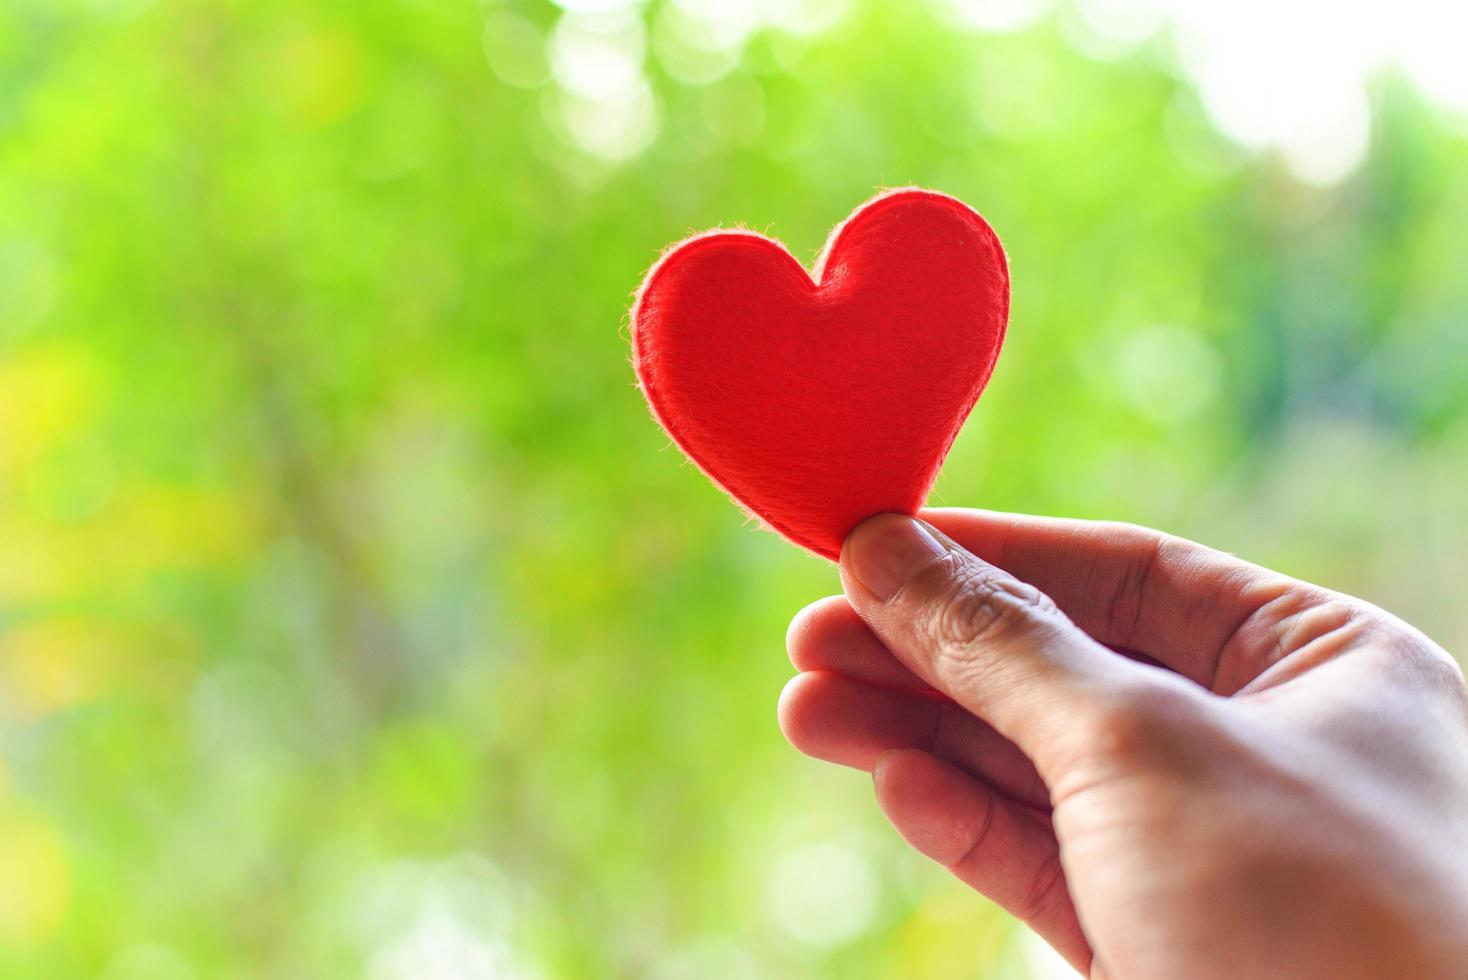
{"points": [[357, 620]]}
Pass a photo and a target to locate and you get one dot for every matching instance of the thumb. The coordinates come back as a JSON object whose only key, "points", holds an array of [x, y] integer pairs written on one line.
{"points": [[996, 645]]}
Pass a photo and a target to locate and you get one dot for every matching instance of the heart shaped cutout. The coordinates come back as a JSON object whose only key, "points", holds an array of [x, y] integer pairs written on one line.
{"points": [[816, 400]]}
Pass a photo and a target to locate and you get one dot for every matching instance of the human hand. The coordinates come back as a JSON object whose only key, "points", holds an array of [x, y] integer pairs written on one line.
{"points": [[1168, 762]]}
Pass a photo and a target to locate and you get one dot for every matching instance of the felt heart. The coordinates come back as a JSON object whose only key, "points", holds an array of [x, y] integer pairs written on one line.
{"points": [[819, 400]]}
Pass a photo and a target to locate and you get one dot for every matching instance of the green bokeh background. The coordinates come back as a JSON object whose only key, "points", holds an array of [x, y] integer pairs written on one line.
{"points": [[355, 618]]}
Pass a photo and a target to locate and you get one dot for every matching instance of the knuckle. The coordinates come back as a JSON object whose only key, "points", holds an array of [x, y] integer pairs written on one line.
{"points": [[968, 608], [1289, 617], [1128, 598], [1286, 610], [973, 605], [1422, 663], [1305, 615], [1441, 670], [980, 839], [1326, 615], [1047, 892]]}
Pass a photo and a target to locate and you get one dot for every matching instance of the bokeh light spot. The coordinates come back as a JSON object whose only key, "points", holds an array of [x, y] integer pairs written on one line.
{"points": [[823, 894], [1167, 372], [515, 50], [997, 16], [598, 56]]}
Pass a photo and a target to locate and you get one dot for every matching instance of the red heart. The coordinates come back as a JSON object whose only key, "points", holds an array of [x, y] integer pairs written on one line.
{"points": [[819, 402]]}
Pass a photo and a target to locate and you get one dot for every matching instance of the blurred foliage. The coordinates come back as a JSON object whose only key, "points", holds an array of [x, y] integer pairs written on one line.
{"points": [[355, 619]]}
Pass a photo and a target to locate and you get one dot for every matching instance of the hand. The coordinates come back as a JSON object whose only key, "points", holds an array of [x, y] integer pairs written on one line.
{"points": [[1168, 762]]}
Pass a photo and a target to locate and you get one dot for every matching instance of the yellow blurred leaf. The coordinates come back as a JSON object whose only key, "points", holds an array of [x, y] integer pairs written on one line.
{"points": [[320, 75], [35, 880], [50, 664], [46, 392]]}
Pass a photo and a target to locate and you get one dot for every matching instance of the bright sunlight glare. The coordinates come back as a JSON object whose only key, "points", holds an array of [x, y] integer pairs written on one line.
{"points": [[1290, 76]]}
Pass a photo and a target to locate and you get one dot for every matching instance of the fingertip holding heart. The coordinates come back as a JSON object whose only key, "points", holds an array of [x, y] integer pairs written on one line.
{"points": [[818, 399]]}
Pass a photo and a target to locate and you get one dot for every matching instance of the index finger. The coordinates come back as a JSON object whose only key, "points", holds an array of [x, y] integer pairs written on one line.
{"points": [[1176, 601]]}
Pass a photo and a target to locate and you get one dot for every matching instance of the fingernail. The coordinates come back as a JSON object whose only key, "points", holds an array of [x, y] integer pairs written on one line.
{"points": [[887, 550]]}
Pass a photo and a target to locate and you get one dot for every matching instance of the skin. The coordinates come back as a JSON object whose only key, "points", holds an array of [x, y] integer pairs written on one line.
{"points": [[1167, 761]]}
